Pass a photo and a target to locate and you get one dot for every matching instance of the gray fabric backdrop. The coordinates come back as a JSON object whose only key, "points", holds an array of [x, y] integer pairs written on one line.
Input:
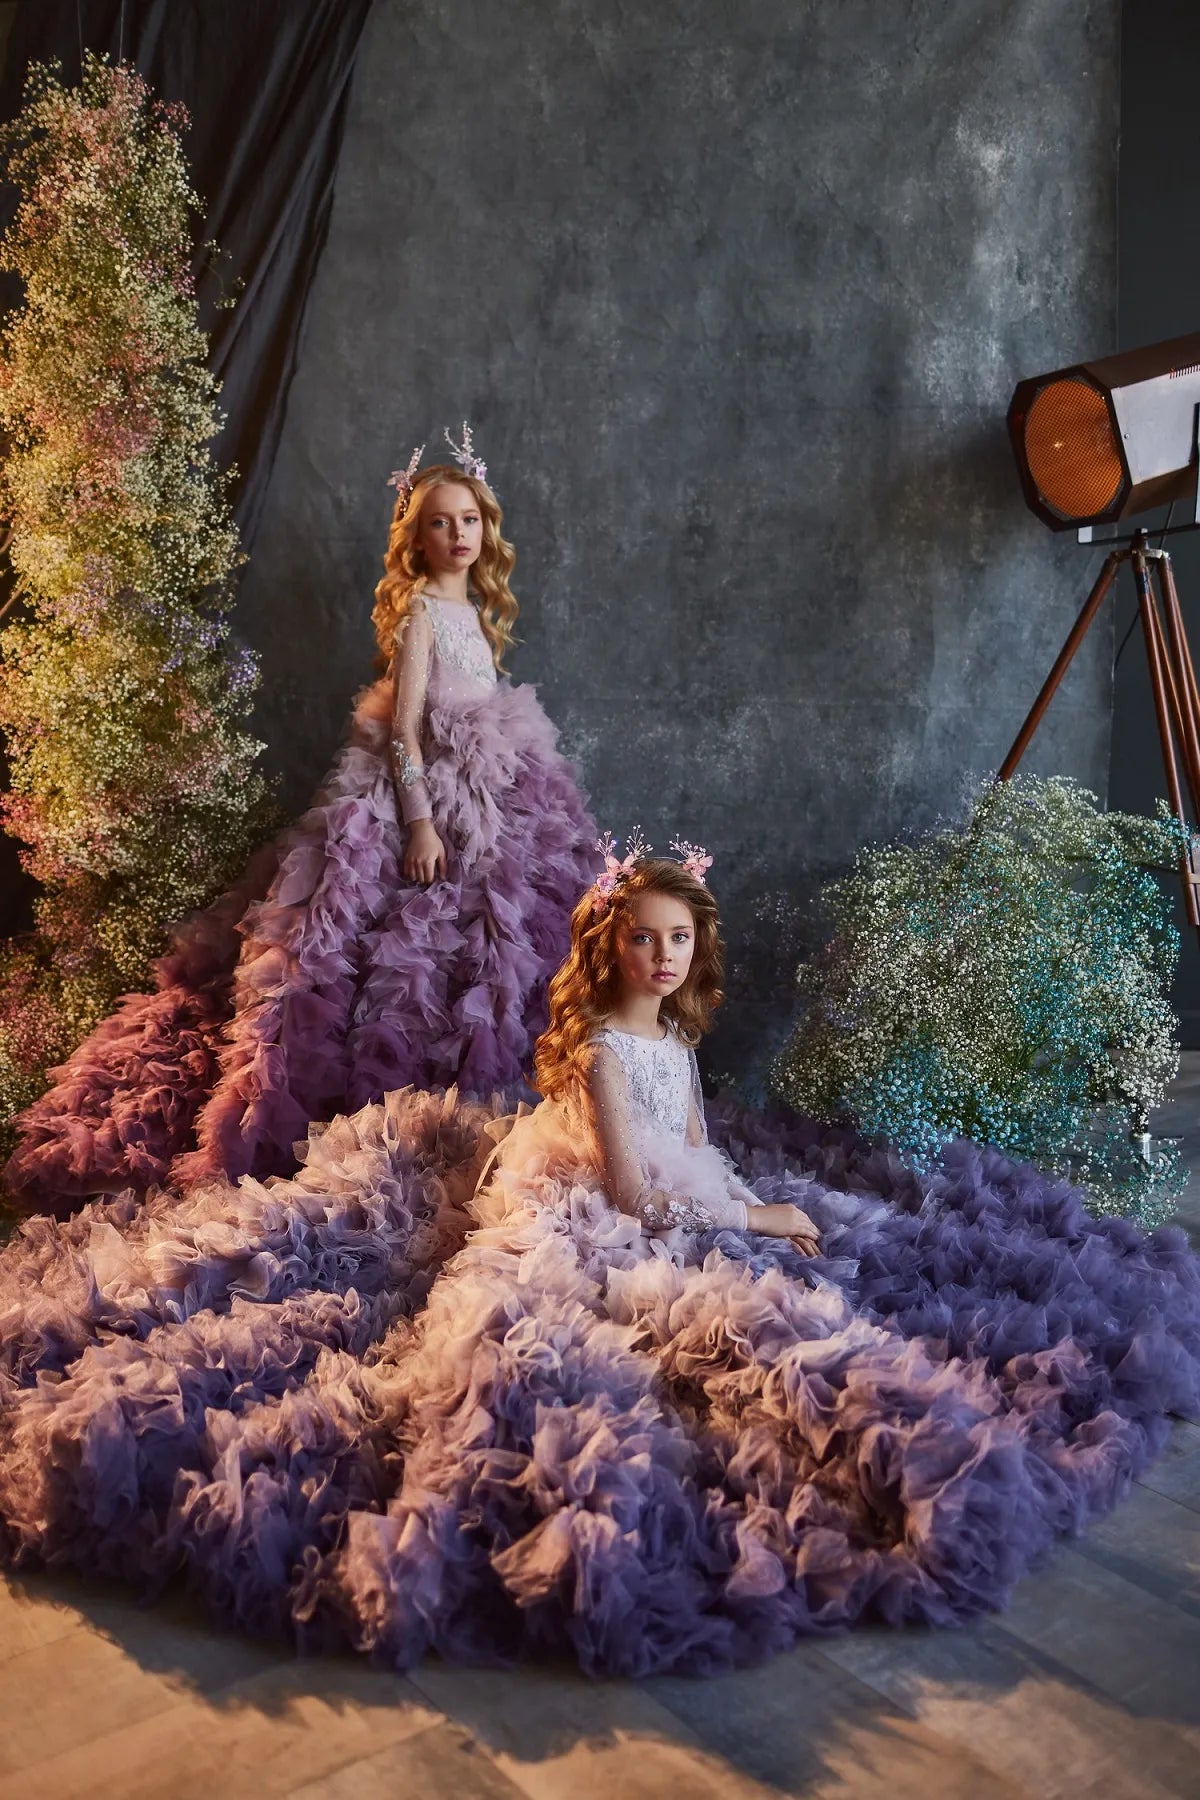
{"points": [[735, 293]]}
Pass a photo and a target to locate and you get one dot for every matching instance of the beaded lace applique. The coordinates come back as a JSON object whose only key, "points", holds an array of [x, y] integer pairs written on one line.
{"points": [[408, 768], [459, 640], [666, 1213]]}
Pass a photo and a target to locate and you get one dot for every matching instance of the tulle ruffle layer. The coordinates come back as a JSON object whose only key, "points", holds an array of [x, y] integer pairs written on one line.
{"points": [[361, 1407], [124, 1104], [349, 981]]}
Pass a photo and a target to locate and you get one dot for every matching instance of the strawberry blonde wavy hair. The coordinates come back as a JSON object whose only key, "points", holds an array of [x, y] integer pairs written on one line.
{"points": [[404, 563], [587, 986]]}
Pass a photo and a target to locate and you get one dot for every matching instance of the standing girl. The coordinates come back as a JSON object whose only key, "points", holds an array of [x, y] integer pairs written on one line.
{"points": [[412, 919]]}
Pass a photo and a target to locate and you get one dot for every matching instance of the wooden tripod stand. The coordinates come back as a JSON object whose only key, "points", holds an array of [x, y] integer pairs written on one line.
{"points": [[1172, 677]]}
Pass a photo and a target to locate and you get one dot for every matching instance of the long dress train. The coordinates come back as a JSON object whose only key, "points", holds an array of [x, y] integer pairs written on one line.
{"points": [[328, 978], [436, 1392]]}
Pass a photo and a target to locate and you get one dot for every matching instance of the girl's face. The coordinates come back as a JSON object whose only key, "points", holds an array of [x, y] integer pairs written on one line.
{"points": [[656, 941], [450, 532]]}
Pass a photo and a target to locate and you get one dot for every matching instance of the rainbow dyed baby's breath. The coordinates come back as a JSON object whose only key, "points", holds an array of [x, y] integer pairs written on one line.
{"points": [[135, 785], [1006, 981]]}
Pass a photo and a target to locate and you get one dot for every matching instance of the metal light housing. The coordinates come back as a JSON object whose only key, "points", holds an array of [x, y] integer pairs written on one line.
{"points": [[1102, 440]]}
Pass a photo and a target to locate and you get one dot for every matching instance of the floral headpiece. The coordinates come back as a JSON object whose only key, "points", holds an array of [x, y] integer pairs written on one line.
{"points": [[404, 480], [617, 870], [464, 455]]}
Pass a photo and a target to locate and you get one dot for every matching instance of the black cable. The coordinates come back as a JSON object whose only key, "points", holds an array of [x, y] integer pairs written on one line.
{"points": [[1170, 510], [1125, 640]]}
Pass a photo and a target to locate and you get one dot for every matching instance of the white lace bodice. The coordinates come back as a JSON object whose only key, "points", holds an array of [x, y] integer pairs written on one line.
{"points": [[459, 639], [660, 1074]]}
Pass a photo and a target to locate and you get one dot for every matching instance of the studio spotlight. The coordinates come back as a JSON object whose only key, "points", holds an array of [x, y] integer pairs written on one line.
{"points": [[1096, 444], [1101, 441]]}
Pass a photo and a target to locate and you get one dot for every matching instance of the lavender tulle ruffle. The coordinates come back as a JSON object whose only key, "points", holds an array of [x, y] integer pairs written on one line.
{"points": [[363, 1408], [327, 979]]}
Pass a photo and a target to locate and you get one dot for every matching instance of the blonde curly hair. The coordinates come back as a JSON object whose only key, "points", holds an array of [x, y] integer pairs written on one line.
{"points": [[585, 989], [405, 575]]}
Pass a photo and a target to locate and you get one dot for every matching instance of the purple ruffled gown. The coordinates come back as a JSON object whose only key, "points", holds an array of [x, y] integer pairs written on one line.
{"points": [[339, 979], [436, 1392]]}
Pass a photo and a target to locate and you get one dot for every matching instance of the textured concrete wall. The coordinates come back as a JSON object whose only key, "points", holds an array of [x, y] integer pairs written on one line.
{"points": [[735, 293]]}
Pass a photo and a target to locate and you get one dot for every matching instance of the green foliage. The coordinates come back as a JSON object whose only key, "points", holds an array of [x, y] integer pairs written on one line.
{"points": [[1004, 981], [135, 783]]}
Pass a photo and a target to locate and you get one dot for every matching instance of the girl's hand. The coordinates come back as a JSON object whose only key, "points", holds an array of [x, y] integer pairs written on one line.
{"points": [[785, 1221], [425, 857]]}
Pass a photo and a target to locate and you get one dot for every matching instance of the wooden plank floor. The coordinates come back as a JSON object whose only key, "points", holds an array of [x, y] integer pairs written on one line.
{"points": [[1088, 1686]]}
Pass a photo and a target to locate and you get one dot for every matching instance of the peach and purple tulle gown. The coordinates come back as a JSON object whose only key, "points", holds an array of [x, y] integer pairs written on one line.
{"points": [[436, 1391]]}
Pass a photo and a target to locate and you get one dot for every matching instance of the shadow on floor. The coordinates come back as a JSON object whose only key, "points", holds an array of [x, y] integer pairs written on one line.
{"points": [[856, 1707]]}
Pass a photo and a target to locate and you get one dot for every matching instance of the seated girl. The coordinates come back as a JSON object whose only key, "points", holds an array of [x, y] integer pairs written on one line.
{"points": [[617, 1063]]}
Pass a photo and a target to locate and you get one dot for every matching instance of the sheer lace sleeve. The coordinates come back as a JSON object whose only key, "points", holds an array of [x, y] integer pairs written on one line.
{"points": [[608, 1106], [410, 674], [697, 1131]]}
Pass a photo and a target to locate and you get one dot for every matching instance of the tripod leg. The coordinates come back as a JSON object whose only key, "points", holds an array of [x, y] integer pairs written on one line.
{"points": [[1180, 717], [1185, 680], [1156, 657], [1050, 686]]}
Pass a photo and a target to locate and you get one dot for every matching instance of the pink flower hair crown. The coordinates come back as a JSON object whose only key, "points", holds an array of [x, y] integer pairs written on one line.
{"points": [[404, 480], [617, 870]]}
